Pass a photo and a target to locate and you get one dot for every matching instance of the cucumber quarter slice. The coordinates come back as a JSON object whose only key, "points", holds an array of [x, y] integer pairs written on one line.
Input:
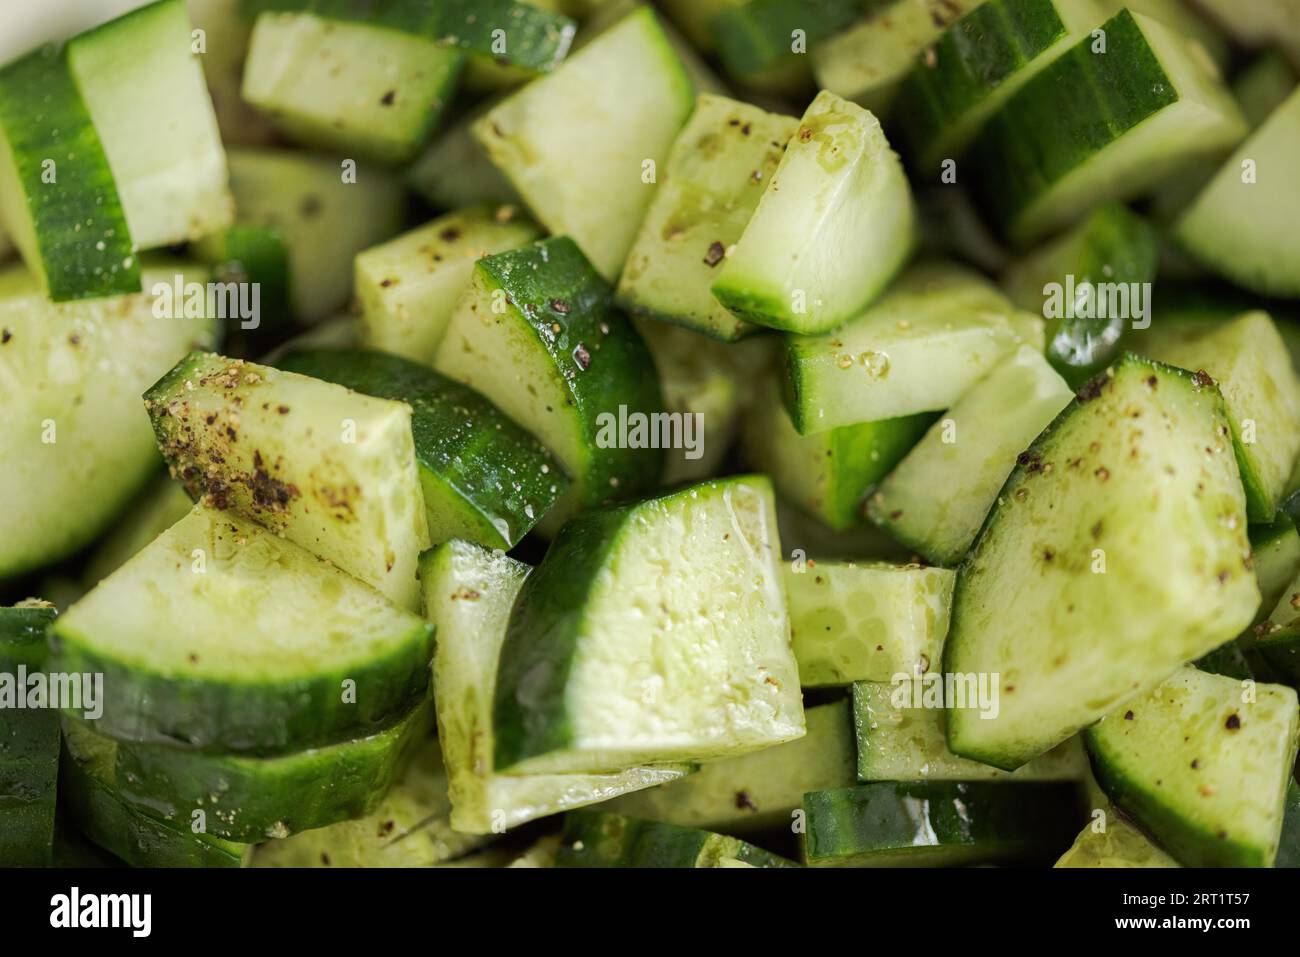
{"points": [[827, 474], [1242, 224], [76, 241], [935, 500], [1119, 845], [1203, 771], [900, 741], [1277, 638], [835, 224], [1066, 606], [332, 470], [354, 88], [197, 652], [578, 143], [866, 621], [468, 593], [939, 330], [144, 89], [609, 661], [71, 375], [601, 839], [940, 823], [536, 334], [1038, 165], [713, 181], [757, 791], [483, 477], [408, 286], [1065, 280], [1249, 360], [90, 795], [1275, 551]]}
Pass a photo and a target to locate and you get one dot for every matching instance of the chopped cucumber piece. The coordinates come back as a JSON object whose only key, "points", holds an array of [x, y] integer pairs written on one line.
{"points": [[755, 39], [695, 19], [196, 651], [455, 172], [579, 143], [977, 64], [1249, 360], [968, 455], [1288, 850], [1185, 19], [468, 593], [1202, 769], [866, 622], [88, 791], [756, 791], [536, 334], [76, 442], [940, 823], [601, 839], [332, 470], [939, 330], [714, 178], [1242, 225], [227, 31], [1229, 660], [1275, 551], [1065, 606], [355, 88], [1112, 252], [1043, 160], [409, 828], [1262, 86], [900, 741], [1277, 638], [258, 257], [652, 633], [144, 89], [835, 224], [408, 286], [1120, 844]]}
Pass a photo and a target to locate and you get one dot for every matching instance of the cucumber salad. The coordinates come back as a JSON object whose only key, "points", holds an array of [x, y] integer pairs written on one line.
{"points": [[600, 433]]}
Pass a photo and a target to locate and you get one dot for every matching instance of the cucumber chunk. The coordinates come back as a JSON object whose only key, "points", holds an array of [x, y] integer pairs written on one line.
{"points": [[88, 789], [454, 171], [1250, 362], [866, 621], [1203, 771], [42, 117], [758, 791], [332, 470], [940, 823], [600, 839], [1065, 606], [144, 89], [1275, 550], [355, 88], [535, 333], [1242, 225], [468, 593], [755, 39], [936, 499], [196, 651], [1119, 845], [407, 287], [835, 223], [714, 179], [939, 330], [252, 799], [76, 443], [609, 660], [1277, 638], [578, 143], [256, 255], [483, 477], [1043, 159], [900, 742]]}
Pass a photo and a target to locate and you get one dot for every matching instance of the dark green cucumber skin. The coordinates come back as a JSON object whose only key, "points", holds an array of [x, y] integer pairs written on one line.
{"points": [[587, 323], [29, 748], [596, 839], [1227, 660], [974, 822], [85, 245], [865, 454], [1049, 127], [975, 55], [253, 799], [260, 719], [1288, 849], [256, 254], [536, 39], [530, 716], [756, 36], [499, 469], [1281, 654]]}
